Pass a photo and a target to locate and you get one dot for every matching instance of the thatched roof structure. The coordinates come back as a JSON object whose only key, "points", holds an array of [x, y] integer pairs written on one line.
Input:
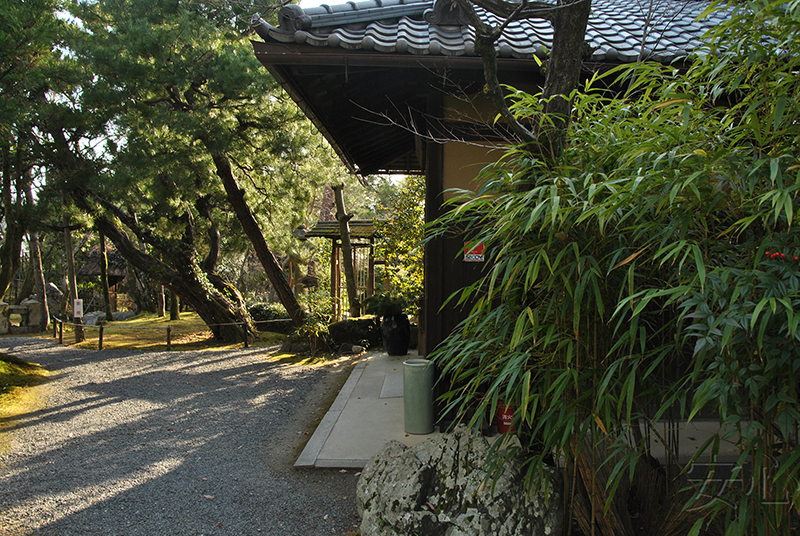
{"points": [[117, 267], [331, 229]]}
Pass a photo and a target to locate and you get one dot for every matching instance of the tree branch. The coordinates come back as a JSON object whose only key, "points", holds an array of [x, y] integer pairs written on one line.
{"points": [[485, 38], [527, 10]]}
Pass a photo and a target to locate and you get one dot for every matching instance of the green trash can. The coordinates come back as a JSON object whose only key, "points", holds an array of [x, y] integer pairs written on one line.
{"points": [[418, 396]]}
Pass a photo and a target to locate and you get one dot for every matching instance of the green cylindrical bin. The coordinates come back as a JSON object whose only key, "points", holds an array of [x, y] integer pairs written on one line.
{"points": [[418, 396]]}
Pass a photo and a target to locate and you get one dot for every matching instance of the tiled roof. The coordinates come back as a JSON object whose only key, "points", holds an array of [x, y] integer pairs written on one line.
{"points": [[614, 32]]}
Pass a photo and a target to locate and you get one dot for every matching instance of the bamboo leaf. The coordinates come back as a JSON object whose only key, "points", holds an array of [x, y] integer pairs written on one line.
{"points": [[695, 530], [757, 311], [630, 382], [519, 327], [700, 264], [780, 106], [629, 258], [602, 426], [668, 103], [526, 392]]}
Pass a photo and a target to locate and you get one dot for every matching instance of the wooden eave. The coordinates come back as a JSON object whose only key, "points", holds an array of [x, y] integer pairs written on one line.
{"points": [[364, 102], [282, 54]]}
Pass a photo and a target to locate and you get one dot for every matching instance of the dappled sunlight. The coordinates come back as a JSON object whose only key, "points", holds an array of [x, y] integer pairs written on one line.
{"points": [[148, 332], [75, 500], [121, 428]]}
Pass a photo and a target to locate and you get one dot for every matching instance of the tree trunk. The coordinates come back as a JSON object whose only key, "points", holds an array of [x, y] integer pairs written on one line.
{"points": [[563, 73], [240, 282], [347, 252], [210, 262], [11, 247], [104, 278], [223, 312], [71, 282], [38, 272], [569, 20], [174, 306], [253, 232], [226, 317], [28, 284], [160, 305], [40, 283], [132, 285]]}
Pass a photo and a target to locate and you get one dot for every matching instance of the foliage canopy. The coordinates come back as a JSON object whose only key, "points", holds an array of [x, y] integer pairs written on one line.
{"points": [[400, 243]]}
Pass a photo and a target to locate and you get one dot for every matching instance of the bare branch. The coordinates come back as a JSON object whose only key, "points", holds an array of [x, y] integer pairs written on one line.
{"points": [[485, 38], [526, 10]]}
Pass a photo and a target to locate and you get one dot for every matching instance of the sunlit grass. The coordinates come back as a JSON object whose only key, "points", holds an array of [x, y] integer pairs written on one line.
{"points": [[148, 332], [17, 394]]}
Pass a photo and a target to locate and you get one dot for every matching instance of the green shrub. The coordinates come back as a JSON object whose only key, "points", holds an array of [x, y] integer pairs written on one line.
{"points": [[261, 312]]}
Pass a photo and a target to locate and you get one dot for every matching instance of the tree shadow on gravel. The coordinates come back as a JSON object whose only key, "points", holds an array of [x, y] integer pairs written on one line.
{"points": [[170, 443]]}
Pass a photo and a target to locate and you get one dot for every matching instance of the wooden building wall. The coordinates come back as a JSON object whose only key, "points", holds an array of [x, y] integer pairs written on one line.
{"points": [[448, 165]]}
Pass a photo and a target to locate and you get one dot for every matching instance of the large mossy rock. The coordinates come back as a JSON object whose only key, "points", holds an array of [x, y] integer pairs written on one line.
{"points": [[440, 488]]}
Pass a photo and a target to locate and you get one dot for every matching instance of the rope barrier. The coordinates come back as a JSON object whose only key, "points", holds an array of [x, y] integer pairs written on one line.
{"points": [[101, 327]]}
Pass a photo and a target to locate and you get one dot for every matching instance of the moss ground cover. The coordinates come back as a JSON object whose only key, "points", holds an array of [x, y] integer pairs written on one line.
{"points": [[149, 332], [18, 393]]}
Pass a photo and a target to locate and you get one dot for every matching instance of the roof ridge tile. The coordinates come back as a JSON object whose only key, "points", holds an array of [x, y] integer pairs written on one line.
{"points": [[425, 27]]}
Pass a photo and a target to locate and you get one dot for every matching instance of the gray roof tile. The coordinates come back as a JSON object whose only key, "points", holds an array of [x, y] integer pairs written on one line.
{"points": [[399, 26]]}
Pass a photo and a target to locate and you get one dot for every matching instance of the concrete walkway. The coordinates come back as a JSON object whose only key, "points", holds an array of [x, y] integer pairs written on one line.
{"points": [[367, 413]]}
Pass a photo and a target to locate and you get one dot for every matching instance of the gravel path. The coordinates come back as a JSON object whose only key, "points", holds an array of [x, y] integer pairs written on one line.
{"points": [[171, 443]]}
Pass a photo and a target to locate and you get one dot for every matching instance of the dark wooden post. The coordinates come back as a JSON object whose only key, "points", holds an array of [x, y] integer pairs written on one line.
{"points": [[100, 344], [334, 279], [347, 252], [169, 338], [245, 334], [371, 269], [60, 332], [104, 279]]}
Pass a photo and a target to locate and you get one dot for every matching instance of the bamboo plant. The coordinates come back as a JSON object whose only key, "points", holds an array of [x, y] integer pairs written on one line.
{"points": [[646, 279]]}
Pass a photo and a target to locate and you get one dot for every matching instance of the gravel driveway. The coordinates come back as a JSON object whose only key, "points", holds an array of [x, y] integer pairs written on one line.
{"points": [[171, 443]]}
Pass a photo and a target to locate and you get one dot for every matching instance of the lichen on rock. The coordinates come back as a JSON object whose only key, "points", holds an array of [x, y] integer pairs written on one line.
{"points": [[441, 487]]}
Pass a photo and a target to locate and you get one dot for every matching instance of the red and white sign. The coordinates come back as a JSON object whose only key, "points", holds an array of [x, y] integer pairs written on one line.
{"points": [[77, 308], [474, 254]]}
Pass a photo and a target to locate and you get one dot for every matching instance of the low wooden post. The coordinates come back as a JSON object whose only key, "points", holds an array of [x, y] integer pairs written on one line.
{"points": [[169, 338], [101, 339], [80, 335], [55, 330], [60, 332], [245, 335]]}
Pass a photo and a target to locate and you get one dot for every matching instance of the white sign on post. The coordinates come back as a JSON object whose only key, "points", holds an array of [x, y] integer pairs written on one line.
{"points": [[77, 308]]}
